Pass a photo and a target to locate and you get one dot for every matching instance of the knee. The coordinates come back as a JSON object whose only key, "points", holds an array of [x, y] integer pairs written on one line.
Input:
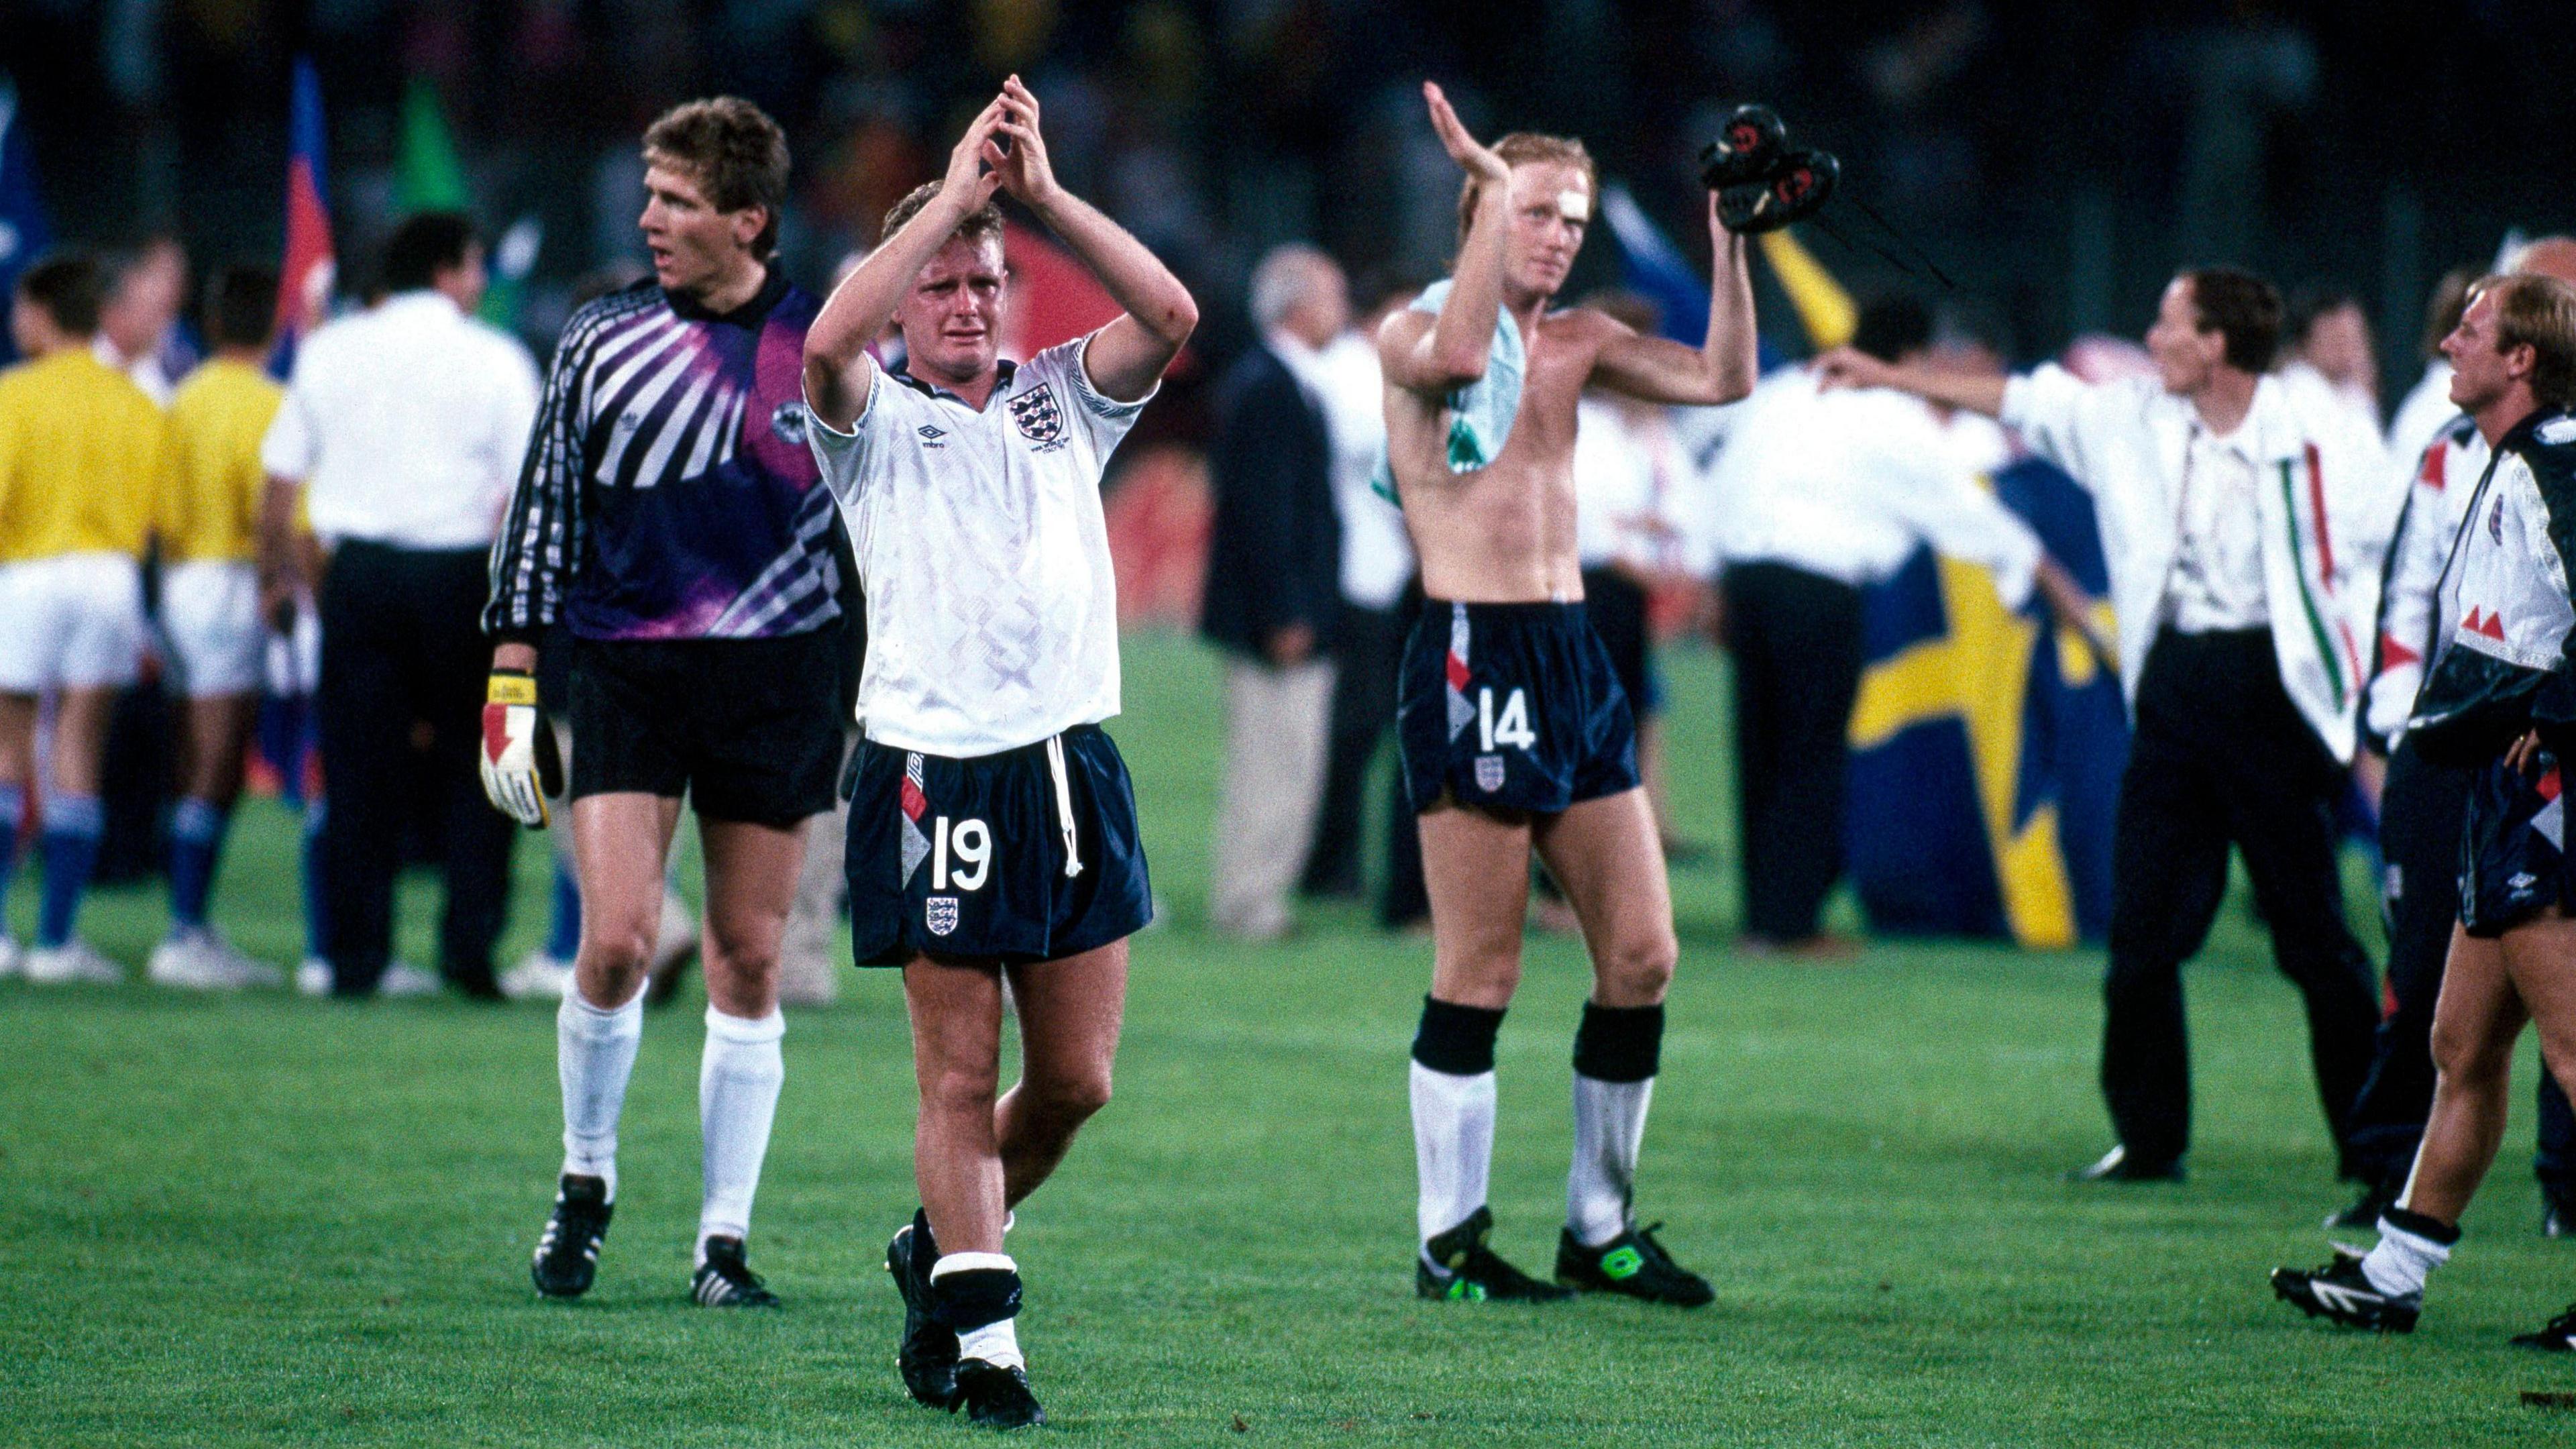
{"points": [[1071, 1097], [617, 948], [1638, 971], [2466, 1059]]}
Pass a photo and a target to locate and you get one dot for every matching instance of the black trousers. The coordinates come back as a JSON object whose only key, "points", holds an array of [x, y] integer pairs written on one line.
{"points": [[2221, 756], [1796, 641], [1368, 645], [402, 644], [2420, 825]]}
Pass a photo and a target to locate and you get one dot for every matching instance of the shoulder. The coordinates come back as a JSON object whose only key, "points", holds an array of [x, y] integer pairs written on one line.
{"points": [[796, 308], [2548, 449], [582, 329]]}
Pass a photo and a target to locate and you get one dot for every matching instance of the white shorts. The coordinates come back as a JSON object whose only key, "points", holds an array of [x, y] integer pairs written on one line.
{"points": [[210, 614], [74, 621]]}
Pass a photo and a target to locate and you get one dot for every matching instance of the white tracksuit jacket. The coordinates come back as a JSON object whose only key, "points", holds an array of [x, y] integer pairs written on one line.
{"points": [[2415, 613], [2323, 481]]}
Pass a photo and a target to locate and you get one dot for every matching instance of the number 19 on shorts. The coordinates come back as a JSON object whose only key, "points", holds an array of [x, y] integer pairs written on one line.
{"points": [[972, 843], [1511, 728]]}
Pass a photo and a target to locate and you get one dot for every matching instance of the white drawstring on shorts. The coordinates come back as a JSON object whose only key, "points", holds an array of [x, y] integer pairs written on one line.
{"points": [[1063, 804]]}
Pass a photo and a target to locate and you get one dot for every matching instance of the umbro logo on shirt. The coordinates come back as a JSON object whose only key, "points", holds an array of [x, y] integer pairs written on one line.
{"points": [[930, 436]]}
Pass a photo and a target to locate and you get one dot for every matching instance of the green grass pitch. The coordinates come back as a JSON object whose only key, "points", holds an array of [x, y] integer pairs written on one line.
{"points": [[264, 1220]]}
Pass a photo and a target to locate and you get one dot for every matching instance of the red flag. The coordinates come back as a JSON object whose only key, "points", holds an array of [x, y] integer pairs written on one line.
{"points": [[304, 281]]}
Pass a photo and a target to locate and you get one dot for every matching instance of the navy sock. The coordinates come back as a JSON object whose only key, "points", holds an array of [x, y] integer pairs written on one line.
{"points": [[13, 813], [563, 937], [73, 825], [196, 834], [317, 921]]}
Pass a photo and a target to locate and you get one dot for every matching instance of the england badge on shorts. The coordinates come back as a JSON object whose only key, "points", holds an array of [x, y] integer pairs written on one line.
{"points": [[941, 916], [1489, 773]]}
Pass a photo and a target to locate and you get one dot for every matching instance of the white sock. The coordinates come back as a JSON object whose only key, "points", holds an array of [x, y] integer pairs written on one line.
{"points": [[594, 1055], [1609, 1126], [1453, 1146], [2402, 1260], [738, 1081], [996, 1343]]}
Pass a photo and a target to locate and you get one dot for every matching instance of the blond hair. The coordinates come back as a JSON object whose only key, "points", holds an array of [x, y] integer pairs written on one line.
{"points": [[2537, 312], [1523, 148], [984, 221], [735, 153]]}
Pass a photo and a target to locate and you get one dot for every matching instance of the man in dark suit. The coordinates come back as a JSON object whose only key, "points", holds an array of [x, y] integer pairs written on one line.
{"points": [[1273, 588]]}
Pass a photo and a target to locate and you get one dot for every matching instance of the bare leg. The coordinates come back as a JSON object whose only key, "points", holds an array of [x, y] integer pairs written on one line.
{"points": [[751, 882], [2474, 1026], [218, 731], [1070, 1013], [2540, 958], [80, 739], [1606, 855], [956, 1010], [1475, 867], [619, 844]]}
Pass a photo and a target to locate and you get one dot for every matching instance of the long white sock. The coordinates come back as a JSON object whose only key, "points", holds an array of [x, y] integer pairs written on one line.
{"points": [[1609, 1127], [1453, 1146], [594, 1055], [738, 1081], [2403, 1259]]}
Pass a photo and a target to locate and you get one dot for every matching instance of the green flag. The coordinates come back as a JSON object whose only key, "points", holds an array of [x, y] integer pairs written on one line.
{"points": [[427, 177]]}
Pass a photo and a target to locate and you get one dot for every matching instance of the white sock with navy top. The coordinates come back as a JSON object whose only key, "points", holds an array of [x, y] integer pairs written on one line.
{"points": [[1453, 1089], [1616, 1053]]}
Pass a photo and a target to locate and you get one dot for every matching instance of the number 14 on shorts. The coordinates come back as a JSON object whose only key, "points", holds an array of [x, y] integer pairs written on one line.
{"points": [[1511, 727]]}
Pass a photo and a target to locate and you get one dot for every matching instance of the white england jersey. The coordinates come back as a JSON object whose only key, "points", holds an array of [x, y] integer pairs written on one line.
{"points": [[992, 608]]}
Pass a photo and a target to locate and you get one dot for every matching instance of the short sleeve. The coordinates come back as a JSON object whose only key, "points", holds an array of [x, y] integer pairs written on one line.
{"points": [[1105, 418], [846, 457], [293, 444]]}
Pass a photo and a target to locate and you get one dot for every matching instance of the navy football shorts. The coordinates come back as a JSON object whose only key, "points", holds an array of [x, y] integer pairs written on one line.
{"points": [[1511, 707], [1023, 856], [2513, 853]]}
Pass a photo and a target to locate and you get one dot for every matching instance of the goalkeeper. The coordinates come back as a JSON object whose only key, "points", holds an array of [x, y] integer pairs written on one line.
{"points": [[669, 513]]}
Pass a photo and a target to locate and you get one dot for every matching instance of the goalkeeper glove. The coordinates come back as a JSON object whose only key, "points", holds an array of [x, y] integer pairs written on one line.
{"points": [[520, 764]]}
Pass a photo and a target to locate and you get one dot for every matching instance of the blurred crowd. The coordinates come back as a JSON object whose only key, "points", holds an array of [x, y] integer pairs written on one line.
{"points": [[1215, 130]]}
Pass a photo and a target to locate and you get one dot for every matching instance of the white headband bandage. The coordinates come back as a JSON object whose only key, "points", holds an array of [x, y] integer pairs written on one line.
{"points": [[1574, 204]]}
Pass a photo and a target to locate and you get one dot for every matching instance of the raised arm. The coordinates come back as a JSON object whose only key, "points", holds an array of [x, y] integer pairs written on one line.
{"points": [[1437, 356], [1851, 367], [838, 372], [1129, 354], [1723, 369]]}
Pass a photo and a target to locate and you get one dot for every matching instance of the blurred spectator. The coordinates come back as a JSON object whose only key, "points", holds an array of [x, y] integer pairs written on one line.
{"points": [[2329, 347], [1274, 560], [80, 461], [212, 491], [140, 332], [1368, 640], [2427, 407], [1822, 494], [1635, 491], [406, 424]]}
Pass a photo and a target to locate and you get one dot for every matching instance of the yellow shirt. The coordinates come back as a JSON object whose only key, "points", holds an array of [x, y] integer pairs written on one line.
{"points": [[212, 481], [80, 459]]}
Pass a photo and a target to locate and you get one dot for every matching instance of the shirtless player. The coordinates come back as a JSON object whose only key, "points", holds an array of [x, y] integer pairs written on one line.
{"points": [[1514, 729]]}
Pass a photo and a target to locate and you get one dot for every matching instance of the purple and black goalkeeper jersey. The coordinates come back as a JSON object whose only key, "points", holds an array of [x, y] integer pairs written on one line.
{"points": [[668, 491]]}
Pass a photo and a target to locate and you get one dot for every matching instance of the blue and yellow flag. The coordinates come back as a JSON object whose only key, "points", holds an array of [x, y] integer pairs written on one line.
{"points": [[1987, 745]]}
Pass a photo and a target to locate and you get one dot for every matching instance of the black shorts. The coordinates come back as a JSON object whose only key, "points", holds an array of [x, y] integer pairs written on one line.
{"points": [[749, 729], [2513, 852], [969, 858], [1511, 707]]}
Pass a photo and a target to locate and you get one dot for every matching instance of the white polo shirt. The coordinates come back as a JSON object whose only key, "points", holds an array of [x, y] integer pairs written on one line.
{"points": [[992, 604], [407, 424]]}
